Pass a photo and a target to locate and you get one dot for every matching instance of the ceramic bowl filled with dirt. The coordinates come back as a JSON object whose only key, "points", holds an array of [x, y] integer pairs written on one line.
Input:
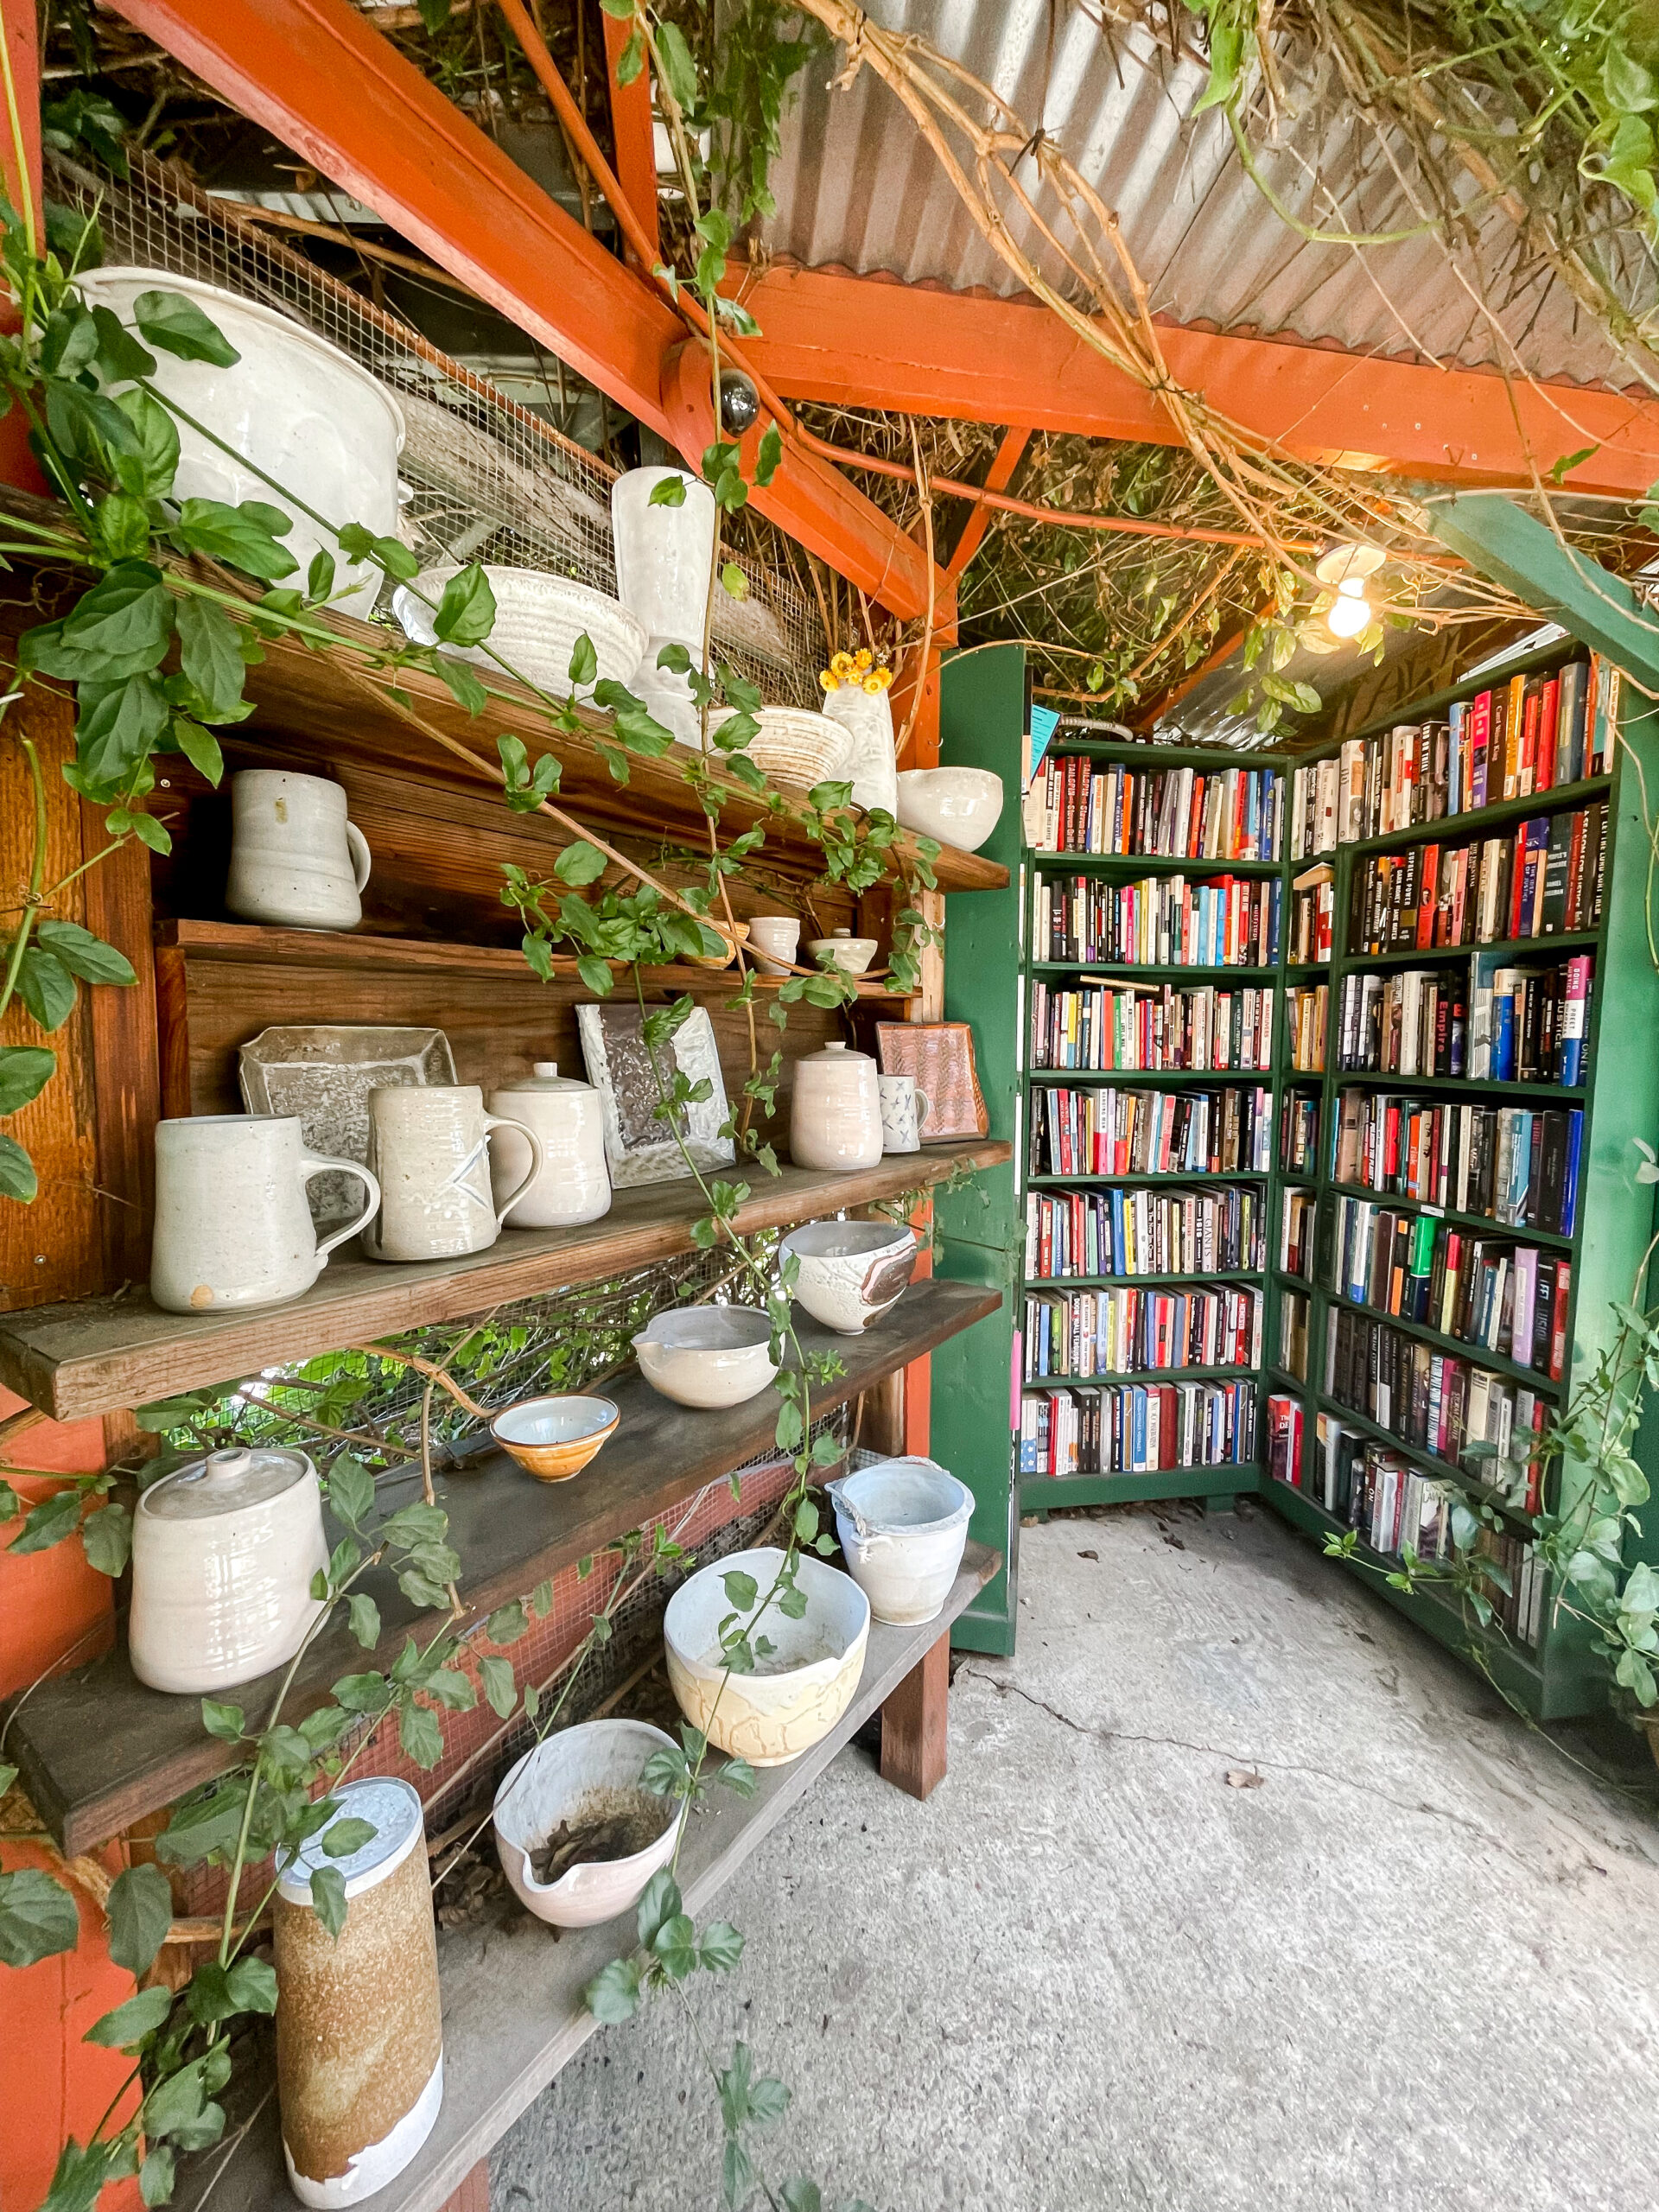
{"points": [[579, 1834]]}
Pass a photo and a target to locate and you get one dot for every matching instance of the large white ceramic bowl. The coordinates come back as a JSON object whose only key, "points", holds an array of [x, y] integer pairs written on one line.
{"points": [[589, 1770], [800, 1689], [798, 748], [959, 806], [300, 408], [903, 1527], [850, 1272], [538, 617], [707, 1355]]}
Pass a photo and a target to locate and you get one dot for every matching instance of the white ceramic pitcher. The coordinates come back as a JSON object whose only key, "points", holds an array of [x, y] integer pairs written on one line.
{"points": [[295, 860], [431, 1147], [232, 1228]]}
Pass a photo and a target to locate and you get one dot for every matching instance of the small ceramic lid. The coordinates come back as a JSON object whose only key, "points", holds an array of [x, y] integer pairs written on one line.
{"points": [[838, 1054], [543, 1077], [225, 1482], [393, 1810]]}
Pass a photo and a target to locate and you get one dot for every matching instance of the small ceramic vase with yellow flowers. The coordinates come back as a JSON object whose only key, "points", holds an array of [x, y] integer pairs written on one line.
{"points": [[855, 695]]}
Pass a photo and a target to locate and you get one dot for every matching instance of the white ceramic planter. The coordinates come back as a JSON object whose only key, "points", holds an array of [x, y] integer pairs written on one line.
{"points": [[568, 1777], [800, 1689], [850, 1273], [306, 413], [223, 1554], [903, 1527], [867, 718], [959, 806], [665, 560], [707, 1355], [573, 1184], [296, 863], [834, 1112], [538, 617]]}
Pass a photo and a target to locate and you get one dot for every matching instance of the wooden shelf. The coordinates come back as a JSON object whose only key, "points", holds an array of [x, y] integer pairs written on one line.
{"points": [[1169, 1180], [1111, 1378], [98, 1750], [513, 2009], [1464, 1085], [1483, 1225], [98, 1355], [1173, 972], [1440, 956], [1198, 1275], [1456, 828]]}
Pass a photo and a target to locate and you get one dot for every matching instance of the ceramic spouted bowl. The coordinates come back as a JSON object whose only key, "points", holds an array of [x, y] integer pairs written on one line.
{"points": [[850, 1272], [706, 1356], [589, 1774]]}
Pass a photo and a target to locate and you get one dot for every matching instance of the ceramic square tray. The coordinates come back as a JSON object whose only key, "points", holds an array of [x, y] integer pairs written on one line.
{"points": [[325, 1075]]}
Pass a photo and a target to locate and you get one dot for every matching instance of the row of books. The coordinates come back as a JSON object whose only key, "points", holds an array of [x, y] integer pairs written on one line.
{"points": [[1220, 814], [1534, 733], [1107, 1026], [1308, 1009], [1102, 1131], [1508, 1163], [1498, 1296], [1142, 1232], [1437, 1401], [1545, 877], [1084, 1333], [1313, 916], [1298, 1223], [1137, 1428], [1299, 1133], [1514, 1025], [1162, 921], [1295, 1313]]}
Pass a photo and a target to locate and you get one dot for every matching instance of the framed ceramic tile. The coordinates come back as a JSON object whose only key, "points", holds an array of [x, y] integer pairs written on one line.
{"points": [[639, 1148], [940, 1056]]}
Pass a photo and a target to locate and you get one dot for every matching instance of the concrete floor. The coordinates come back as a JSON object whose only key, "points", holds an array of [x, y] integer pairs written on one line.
{"points": [[1416, 1966]]}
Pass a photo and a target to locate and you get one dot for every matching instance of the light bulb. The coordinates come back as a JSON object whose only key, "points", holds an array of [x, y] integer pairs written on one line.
{"points": [[1351, 611]]}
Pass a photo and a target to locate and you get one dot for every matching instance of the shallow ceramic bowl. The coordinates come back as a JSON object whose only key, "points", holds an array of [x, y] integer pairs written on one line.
{"points": [[800, 1689], [539, 619], [850, 1272], [561, 1777], [554, 1438], [903, 1527], [799, 749], [707, 1355], [721, 959], [852, 954], [959, 806]]}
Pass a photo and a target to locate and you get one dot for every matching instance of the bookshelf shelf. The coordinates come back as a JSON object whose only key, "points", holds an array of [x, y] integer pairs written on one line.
{"points": [[1165, 972], [1452, 829], [1440, 955], [1112, 1376], [1040, 1493], [1432, 1462], [1499, 1363], [1175, 1177], [1149, 864], [1462, 1086], [1482, 1224]]}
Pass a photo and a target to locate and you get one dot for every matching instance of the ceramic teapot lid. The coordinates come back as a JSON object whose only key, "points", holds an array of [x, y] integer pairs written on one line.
{"points": [[224, 1483], [544, 1077], [393, 1810], [838, 1054]]}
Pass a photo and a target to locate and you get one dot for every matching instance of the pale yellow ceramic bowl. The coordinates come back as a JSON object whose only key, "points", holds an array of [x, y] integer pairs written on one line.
{"points": [[554, 1438]]}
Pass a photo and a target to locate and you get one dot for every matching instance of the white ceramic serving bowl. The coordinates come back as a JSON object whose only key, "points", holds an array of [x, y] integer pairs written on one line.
{"points": [[554, 1783], [553, 1439], [707, 1355], [959, 806], [796, 746], [800, 1690], [538, 617], [903, 1526], [850, 1272], [296, 407], [852, 954]]}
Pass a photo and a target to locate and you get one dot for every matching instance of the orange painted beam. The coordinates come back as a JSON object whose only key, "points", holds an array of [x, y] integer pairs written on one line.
{"points": [[998, 478], [829, 335], [636, 149], [17, 464]]}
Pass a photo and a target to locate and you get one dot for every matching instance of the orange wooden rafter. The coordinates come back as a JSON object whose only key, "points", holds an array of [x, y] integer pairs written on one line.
{"points": [[636, 147], [998, 477]]}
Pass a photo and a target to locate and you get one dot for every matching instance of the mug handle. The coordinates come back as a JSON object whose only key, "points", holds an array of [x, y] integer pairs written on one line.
{"points": [[314, 1163], [362, 860], [922, 1106], [537, 1158]]}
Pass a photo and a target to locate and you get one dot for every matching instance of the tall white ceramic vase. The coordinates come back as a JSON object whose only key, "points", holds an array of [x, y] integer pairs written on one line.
{"points": [[664, 562], [869, 717]]}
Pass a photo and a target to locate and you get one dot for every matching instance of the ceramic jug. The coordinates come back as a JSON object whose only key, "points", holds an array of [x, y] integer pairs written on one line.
{"points": [[904, 1109], [573, 1184], [835, 1116], [223, 1554], [431, 1147], [295, 860], [232, 1228], [664, 556]]}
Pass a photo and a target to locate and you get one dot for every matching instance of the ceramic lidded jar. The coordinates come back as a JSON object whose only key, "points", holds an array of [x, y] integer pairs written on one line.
{"points": [[835, 1116], [574, 1184], [223, 1554], [359, 2034]]}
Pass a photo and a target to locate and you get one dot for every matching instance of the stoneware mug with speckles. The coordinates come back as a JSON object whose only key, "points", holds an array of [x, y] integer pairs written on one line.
{"points": [[429, 1145]]}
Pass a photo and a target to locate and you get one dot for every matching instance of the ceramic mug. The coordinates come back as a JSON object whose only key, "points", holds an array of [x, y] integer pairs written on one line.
{"points": [[295, 860], [429, 1145], [904, 1109], [775, 939], [232, 1228]]}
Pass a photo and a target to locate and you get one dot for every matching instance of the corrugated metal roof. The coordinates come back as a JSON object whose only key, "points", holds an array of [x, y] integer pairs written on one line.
{"points": [[857, 187]]}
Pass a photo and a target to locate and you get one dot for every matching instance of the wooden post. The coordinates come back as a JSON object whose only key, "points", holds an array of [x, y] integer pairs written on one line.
{"points": [[474, 2195], [913, 1725]]}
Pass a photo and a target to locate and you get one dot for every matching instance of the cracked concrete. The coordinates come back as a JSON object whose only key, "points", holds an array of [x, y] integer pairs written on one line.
{"points": [[1415, 1970]]}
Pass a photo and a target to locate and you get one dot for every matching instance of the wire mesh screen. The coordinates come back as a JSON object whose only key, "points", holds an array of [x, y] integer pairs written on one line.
{"points": [[487, 478]]}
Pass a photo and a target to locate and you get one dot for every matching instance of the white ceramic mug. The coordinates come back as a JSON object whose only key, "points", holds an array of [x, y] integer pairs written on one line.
{"points": [[904, 1109], [295, 860], [232, 1228], [429, 1145], [778, 936]]}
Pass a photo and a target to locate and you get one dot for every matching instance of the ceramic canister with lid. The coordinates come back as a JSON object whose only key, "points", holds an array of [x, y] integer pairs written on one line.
{"points": [[360, 2033], [223, 1554], [573, 1184], [835, 1116]]}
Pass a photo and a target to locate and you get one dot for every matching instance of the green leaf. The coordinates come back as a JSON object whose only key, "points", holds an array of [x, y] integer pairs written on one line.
{"points": [[18, 1177], [123, 523], [364, 1616], [85, 955], [241, 537], [580, 863], [420, 1735], [131, 2023], [346, 1835], [584, 661], [211, 655], [596, 975], [1630, 87], [732, 582], [121, 627], [669, 491], [52, 1521], [118, 723], [501, 1687], [79, 2177], [675, 1944], [770, 452], [107, 1539], [677, 66], [146, 469], [801, 2194], [741, 1590], [613, 1995], [328, 1898], [25, 1070], [464, 685], [46, 988], [38, 1917], [361, 1693], [632, 60], [508, 1624], [156, 2174], [721, 1946], [218, 1992], [659, 1904], [465, 614], [224, 1721], [768, 2100], [738, 1777], [140, 1911], [178, 327]]}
